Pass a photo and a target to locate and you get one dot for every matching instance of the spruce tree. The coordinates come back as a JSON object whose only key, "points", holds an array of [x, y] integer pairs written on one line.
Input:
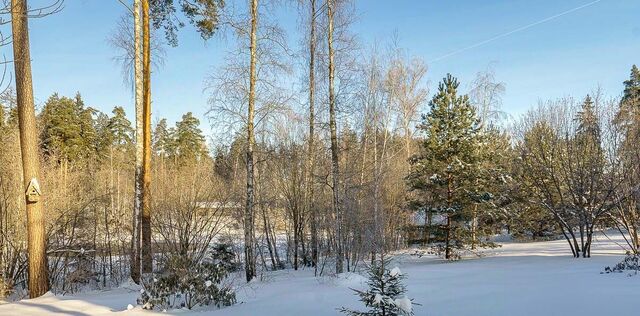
{"points": [[385, 295], [631, 95], [493, 188], [628, 116]]}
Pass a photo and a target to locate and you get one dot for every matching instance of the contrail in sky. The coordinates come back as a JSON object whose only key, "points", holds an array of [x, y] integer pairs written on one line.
{"points": [[522, 28]]}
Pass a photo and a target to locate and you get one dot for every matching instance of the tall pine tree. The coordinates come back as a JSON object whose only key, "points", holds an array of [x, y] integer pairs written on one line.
{"points": [[188, 138], [446, 166]]}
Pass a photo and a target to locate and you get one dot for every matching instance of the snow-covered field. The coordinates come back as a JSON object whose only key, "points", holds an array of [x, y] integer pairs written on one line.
{"points": [[516, 279]]}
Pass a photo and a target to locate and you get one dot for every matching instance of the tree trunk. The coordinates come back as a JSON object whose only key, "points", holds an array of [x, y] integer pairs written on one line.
{"points": [[334, 146], [427, 227], [474, 226], [38, 280], [311, 152], [146, 256], [447, 250], [250, 265], [296, 236], [137, 34]]}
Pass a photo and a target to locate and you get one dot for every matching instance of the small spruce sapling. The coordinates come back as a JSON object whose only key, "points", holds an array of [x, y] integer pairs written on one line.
{"points": [[386, 293]]}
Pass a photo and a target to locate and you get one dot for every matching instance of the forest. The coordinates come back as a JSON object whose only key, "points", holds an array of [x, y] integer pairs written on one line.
{"points": [[332, 157]]}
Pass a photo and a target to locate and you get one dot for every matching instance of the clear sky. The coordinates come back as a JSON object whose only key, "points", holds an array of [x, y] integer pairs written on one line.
{"points": [[535, 52]]}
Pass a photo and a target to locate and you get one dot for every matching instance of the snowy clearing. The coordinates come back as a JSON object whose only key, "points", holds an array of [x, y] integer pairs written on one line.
{"points": [[517, 279]]}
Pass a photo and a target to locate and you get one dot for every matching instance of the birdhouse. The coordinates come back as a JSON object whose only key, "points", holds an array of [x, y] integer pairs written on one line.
{"points": [[33, 191]]}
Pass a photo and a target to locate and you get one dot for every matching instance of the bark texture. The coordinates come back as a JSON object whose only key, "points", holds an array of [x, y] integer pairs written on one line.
{"points": [[146, 256], [335, 168], [137, 205], [36, 246], [250, 266]]}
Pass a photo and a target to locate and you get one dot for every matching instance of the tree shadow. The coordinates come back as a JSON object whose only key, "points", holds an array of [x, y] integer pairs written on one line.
{"points": [[53, 309]]}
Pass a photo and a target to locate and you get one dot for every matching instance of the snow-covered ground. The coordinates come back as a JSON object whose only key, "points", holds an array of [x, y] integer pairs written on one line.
{"points": [[516, 279]]}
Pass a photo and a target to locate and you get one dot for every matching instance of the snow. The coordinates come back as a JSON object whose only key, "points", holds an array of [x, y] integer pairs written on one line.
{"points": [[517, 279], [377, 299], [404, 304], [395, 271]]}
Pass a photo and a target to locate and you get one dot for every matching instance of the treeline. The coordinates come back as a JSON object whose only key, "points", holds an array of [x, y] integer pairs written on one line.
{"points": [[87, 163], [566, 168]]}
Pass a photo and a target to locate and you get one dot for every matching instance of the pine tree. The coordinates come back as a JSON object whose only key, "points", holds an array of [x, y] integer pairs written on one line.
{"points": [[493, 188], [121, 128], [188, 138], [36, 245], [104, 135], [67, 127], [162, 139], [447, 166], [386, 293], [202, 14]]}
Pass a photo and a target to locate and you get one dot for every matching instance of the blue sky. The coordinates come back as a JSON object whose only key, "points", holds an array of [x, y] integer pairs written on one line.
{"points": [[569, 55]]}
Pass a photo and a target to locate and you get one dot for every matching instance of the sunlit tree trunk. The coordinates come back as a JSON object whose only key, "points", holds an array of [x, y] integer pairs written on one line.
{"points": [[137, 64], [38, 280], [334, 146], [250, 265], [146, 258]]}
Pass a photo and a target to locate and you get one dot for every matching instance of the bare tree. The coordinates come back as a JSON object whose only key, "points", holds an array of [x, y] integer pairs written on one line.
{"points": [[139, 180], [486, 95], [335, 167], [309, 168], [568, 169], [249, 235], [407, 94], [246, 97]]}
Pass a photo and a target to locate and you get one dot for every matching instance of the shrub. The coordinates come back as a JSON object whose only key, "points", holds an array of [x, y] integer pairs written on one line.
{"points": [[631, 263], [189, 283]]}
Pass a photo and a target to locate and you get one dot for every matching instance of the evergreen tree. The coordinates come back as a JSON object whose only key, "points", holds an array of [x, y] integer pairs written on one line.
{"points": [[447, 166], [120, 128], [162, 139], [386, 293], [67, 127], [202, 14], [104, 134], [631, 95], [189, 143], [493, 190], [628, 114], [587, 118]]}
